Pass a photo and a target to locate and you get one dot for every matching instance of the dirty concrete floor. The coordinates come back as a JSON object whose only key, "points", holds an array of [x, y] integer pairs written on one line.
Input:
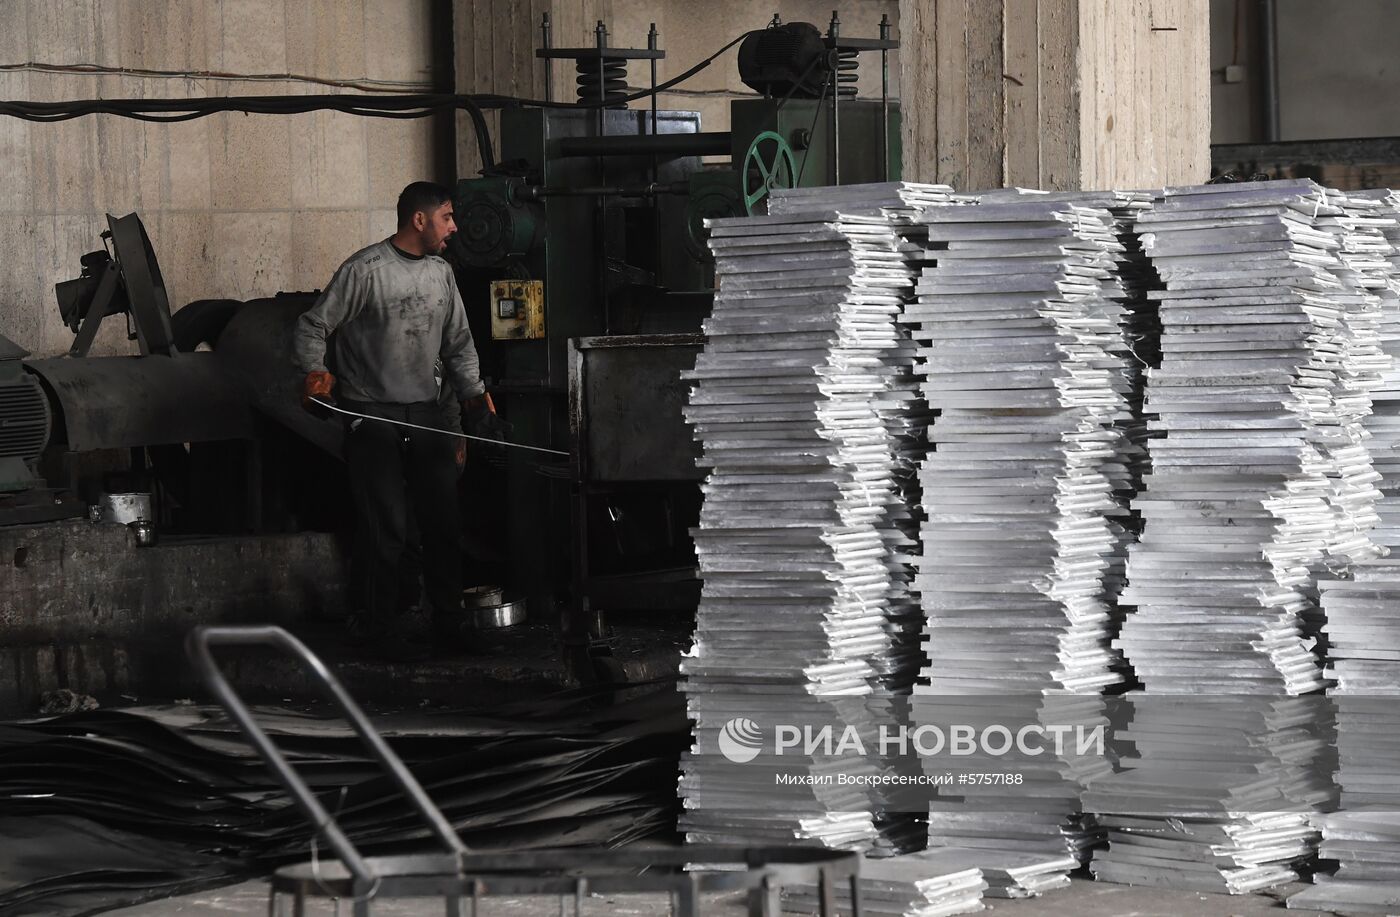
{"points": [[521, 661], [1084, 898]]}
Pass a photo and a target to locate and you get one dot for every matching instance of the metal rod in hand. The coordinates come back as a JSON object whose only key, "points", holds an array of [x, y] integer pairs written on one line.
{"points": [[413, 426]]}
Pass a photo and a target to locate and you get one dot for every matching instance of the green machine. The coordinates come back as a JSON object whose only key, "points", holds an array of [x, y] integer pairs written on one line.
{"points": [[582, 256]]}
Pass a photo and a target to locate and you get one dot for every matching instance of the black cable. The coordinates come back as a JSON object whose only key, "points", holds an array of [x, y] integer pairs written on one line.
{"points": [[806, 154], [177, 110], [366, 84], [170, 111], [391, 106], [483, 135]]}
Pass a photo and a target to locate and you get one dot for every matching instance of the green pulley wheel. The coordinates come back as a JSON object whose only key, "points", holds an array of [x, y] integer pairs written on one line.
{"points": [[768, 164]]}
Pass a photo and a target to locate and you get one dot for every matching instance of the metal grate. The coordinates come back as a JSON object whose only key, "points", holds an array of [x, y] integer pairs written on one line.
{"points": [[24, 419]]}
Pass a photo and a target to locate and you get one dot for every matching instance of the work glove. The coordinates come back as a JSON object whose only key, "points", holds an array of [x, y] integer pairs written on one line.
{"points": [[479, 418], [318, 385]]}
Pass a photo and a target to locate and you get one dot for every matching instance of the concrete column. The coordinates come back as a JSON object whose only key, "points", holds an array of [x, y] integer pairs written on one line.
{"points": [[1056, 94], [495, 52]]}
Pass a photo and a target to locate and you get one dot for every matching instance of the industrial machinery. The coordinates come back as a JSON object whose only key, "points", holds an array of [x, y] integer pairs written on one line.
{"points": [[25, 422], [583, 258], [581, 254], [218, 434]]}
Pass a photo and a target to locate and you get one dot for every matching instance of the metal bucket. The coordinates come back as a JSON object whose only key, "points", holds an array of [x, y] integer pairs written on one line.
{"points": [[494, 617], [482, 596], [124, 509], [485, 608]]}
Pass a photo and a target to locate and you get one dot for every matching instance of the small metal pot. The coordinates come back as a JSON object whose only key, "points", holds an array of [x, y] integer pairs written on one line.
{"points": [[492, 617], [145, 532], [474, 618], [482, 596]]}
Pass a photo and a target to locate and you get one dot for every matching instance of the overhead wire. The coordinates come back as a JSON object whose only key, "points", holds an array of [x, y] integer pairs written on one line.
{"points": [[366, 84], [176, 110], [405, 105], [410, 105]]}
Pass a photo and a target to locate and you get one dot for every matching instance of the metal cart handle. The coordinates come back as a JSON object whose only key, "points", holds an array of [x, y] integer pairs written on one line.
{"points": [[198, 646]]}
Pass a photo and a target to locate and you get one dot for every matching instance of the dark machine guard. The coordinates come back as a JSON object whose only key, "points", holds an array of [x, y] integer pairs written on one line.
{"points": [[127, 281]]}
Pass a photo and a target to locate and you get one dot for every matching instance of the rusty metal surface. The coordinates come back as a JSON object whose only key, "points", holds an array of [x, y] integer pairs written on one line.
{"points": [[628, 402], [255, 349], [118, 402]]}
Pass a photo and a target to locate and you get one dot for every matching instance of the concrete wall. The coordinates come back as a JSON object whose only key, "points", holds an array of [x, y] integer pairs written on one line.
{"points": [[1339, 70], [82, 607], [1234, 113], [1056, 94], [236, 205]]}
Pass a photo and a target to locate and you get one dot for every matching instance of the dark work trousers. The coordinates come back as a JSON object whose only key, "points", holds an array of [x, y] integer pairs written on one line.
{"points": [[396, 471]]}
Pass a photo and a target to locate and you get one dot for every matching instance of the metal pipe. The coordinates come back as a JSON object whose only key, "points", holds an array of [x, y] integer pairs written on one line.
{"points": [[1268, 67], [833, 32], [653, 38], [704, 143], [121, 402], [539, 192], [884, 100], [654, 44], [600, 251], [545, 39], [255, 349]]}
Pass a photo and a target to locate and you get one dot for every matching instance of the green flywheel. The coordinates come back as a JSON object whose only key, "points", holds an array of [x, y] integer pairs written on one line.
{"points": [[768, 164]]}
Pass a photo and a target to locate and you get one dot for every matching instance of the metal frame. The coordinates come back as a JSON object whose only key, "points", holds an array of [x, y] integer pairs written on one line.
{"points": [[458, 876], [684, 875], [582, 624]]}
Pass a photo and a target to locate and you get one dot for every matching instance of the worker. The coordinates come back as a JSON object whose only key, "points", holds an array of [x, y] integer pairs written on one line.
{"points": [[392, 313]]}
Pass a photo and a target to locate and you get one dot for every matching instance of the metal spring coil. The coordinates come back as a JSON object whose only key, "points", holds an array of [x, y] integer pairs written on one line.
{"points": [[609, 73], [847, 66]]}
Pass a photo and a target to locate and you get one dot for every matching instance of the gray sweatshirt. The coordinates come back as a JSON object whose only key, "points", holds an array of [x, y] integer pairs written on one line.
{"points": [[393, 318]]}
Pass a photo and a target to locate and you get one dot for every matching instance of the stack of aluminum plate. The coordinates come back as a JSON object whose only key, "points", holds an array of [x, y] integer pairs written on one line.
{"points": [[1238, 506], [796, 402], [1023, 875], [1022, 353], [1008, 874], [1367, 844], [904, 412], [1363, 635], [1240, 513], [931, 883], [1384, 422], [1129, 306], [1215, 794], [1363, 836], [1017, 354], [893, 195], [1365, 271], [1238, 855]]}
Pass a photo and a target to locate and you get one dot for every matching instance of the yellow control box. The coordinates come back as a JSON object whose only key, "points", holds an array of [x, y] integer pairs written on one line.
{"points": [[517, 310]]}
